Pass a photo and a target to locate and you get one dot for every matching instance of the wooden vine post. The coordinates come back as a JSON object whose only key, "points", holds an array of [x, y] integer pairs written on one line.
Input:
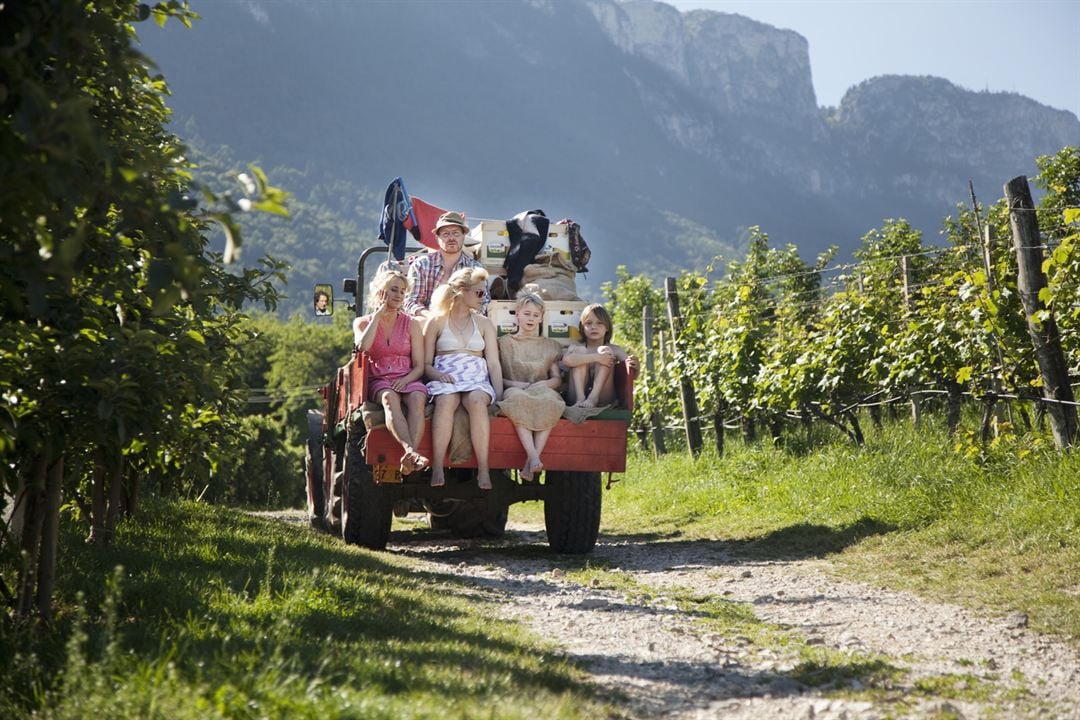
{"points": [[991, 414], [650, 373], [689, 399], [1044, 333], [905, 278]]}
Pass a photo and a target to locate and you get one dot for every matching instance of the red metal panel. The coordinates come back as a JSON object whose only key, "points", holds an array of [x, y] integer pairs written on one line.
{"points": [[595, 445]]}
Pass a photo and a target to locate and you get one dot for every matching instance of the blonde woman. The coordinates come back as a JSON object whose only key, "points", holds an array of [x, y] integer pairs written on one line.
{"points": [[394, 345], [531, 376], [462, 365]]}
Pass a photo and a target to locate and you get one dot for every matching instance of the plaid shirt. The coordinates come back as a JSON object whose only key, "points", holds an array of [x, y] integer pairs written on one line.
{"points": [[424, 271]]}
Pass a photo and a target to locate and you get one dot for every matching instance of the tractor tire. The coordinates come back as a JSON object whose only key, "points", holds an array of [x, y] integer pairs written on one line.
{"points": [[367, 512], [313, 471], [572, 511]]}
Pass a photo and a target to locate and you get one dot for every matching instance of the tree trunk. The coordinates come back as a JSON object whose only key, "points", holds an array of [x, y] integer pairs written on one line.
{"points": [[807, 421], [116, 491], [776, 429], [855, 428], [749, 430], [916, 411], [50, 534], [30, 543], [1025, 417], [98, 504], [952, 415], [718, 427], [987, 420]]}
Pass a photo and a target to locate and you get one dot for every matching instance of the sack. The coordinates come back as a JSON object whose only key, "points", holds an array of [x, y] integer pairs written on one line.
{"points": [[551, 277], [579, 249]]}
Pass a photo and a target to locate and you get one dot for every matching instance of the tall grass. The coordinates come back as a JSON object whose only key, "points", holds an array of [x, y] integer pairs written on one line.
{"points": [[992, 527], [218, 614]]}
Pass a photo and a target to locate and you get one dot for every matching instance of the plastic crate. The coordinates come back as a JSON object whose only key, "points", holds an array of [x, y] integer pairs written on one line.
{"points": [[493, 243], [503, 313], [558, 240], [561, 319]]}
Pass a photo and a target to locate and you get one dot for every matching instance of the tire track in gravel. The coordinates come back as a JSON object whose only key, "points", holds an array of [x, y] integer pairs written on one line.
{"points": [[656, 659]]}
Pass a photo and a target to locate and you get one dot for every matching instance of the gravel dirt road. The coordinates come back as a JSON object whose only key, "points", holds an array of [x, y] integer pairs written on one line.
{"points": [[824, 648]]}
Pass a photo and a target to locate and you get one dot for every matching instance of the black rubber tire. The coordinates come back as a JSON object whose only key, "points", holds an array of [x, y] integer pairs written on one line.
{"points": [[572, 511], [367, 512], [313, 471]]}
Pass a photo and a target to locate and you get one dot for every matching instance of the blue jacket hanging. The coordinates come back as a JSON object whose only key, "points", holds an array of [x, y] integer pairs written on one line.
{"points": [[396, 207]]}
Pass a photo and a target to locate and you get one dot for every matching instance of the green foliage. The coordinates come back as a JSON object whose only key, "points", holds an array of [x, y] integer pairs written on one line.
{"points": [[768, 340], [329, 225], [120, 328]]}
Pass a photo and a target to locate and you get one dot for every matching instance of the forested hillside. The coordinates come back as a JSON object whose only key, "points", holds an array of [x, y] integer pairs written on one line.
{"points": [[667, 135]]}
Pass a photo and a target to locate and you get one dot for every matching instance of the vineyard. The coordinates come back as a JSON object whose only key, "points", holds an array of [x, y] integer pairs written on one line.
{"points": [[773, 344]]}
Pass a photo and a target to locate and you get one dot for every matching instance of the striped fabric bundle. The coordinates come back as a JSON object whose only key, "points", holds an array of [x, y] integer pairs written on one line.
{"points": [[470, 372]]}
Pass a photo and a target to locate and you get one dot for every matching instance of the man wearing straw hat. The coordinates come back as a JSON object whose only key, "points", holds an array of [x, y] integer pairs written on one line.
{"points": [[429, 271]]}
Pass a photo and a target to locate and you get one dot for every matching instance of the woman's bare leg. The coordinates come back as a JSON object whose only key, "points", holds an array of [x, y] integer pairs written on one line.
{"points": [[442, 426], [476, 403], [416, 401], [398, 427]]}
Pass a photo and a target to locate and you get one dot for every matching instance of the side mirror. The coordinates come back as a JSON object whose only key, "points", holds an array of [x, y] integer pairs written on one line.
{"points": [[323, 303]]}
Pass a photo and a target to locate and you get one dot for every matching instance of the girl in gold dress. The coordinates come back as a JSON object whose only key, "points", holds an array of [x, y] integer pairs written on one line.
{"points": [[531, 378]]}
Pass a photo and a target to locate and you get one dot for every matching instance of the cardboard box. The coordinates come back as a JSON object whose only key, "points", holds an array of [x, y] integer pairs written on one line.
{"points": [[493, 242], [503, 313], [558, 240], [561, 320]]}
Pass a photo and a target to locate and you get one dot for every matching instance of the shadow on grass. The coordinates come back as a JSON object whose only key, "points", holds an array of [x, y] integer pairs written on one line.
{"points": [[804, 540], [225, 594]]}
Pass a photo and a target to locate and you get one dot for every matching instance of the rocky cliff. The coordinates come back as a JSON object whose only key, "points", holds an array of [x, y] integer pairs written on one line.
{"points": [[665, 134]]}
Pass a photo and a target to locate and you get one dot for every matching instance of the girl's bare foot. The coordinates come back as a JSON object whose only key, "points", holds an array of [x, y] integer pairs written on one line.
{"points": [[437, 478], [587, 403], [420, 461], [537, 467], [483, 481], [526, 472], [407, 466]]}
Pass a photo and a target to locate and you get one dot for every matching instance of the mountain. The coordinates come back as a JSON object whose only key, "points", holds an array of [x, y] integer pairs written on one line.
{"points": [[665, 134]]}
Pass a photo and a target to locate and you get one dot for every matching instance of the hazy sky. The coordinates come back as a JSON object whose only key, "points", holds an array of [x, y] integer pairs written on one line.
{"points": [[1031, 47]]}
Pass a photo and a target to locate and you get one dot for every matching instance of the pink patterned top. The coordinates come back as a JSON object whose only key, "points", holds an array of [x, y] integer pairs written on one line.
{"points": [[391, 358]]}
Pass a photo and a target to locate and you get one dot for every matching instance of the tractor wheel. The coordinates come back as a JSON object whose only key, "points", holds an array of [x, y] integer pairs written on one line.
{"points": [[367, 512], [313, 471], [572, 511]]}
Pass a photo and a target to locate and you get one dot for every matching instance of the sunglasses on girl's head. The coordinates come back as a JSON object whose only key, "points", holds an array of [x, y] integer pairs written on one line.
{"points": [[479, 293]]}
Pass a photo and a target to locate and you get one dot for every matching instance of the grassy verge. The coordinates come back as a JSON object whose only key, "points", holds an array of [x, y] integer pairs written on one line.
{"points": [[218, 614], [998, 530]]}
